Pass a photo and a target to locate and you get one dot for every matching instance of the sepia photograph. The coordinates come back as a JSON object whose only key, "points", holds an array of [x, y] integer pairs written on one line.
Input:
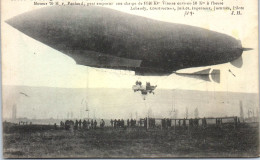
{"points": [[130, 79]]}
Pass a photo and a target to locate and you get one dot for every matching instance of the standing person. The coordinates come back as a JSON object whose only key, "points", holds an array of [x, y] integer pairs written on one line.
{"points": [[119, 123], [84, 123], [115, 123], [95, 124], [76, 124], [141, 122], [184, 122], [191, 122], [61, 124], [196, 122], [92, 124], [127, 122], [122, 123], [205, 122], [71, 128], [111, 122], [80, 124], [67, 125], [235, 120], [169, 123], [88, 124], [103, 122], [164, 123], [100, 124]]}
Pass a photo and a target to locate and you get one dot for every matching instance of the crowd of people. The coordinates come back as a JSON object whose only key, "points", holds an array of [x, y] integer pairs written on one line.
{"points": [[121, 123], [192, 122], [166, 123], [24, 123], [81, 124], [93, 124]]}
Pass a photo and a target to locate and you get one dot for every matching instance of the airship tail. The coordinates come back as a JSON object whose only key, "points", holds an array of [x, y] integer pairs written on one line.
{"points": [[239, 61], [247, 49]]}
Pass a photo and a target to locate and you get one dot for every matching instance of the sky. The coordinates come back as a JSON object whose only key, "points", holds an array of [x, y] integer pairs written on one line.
{"points": [[28, 62], [49, 102]]}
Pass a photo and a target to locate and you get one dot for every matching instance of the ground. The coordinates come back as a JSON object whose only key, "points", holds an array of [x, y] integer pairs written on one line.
{"points": [[39, 141]]}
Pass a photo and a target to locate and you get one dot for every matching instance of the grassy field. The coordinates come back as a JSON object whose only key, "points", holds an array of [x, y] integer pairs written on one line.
{"points": [[35, 141]]}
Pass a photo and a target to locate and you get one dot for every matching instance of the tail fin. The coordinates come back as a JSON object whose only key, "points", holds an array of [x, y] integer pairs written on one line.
{"points": [[237, 62], [215, 75], [203, 75]]}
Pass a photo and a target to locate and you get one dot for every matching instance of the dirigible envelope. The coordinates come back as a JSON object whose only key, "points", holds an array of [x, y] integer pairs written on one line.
{"points": [[106, 38]]}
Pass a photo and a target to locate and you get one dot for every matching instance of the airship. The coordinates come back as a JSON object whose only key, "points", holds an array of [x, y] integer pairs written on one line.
{"points": [[106, 38]]}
